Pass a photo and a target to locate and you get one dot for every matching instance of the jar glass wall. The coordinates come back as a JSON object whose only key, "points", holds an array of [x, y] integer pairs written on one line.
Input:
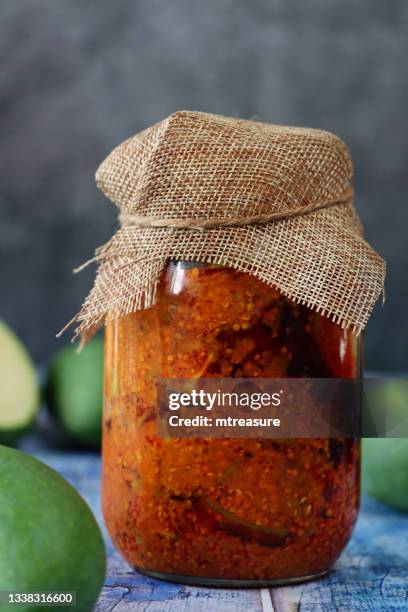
{"points": [[224, 511]]}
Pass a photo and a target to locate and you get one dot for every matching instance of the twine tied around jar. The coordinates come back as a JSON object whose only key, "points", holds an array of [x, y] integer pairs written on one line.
{"points": [[269, 200], [126, 219]]}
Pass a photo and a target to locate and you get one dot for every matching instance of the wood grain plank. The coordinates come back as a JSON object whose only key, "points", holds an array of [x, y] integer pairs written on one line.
{"points": [[186, 599]]}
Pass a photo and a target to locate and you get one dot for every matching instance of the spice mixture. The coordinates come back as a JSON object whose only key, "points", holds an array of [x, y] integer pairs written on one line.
{"points": [[253, 509]]}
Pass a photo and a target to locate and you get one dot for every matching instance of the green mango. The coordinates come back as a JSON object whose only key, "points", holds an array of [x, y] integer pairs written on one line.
{"points": [[49, 539], [19, 385], [385, 459], [385, 470], [74, 391]]}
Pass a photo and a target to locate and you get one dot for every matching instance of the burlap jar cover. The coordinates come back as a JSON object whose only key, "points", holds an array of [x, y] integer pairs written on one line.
{"points": [[270, 200]]}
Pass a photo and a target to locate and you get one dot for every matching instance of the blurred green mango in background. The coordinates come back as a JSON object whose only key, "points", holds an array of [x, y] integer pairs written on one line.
{"points": [[74, 391], [19, 387], [385, 471], [385, 460]]}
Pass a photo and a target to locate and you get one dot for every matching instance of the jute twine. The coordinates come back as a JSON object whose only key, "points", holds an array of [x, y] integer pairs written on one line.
{"points": [[269, 200]]}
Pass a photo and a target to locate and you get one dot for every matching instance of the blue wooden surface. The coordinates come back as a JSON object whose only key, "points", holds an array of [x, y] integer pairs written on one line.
{"points": [[371, 575]]}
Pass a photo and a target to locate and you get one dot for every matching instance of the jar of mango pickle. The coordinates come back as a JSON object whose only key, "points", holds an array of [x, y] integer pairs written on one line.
{"points": [[233, 512], [239, 256]]}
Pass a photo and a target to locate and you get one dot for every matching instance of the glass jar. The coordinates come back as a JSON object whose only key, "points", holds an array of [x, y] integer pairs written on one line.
{"points": [[234, 512]]}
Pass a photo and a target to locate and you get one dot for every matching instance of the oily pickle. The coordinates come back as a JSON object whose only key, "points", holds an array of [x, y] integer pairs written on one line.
{"points": [[223, 509]]}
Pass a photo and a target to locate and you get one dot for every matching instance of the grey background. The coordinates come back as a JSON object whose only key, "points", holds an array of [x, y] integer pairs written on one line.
{"points": [[77, 77]]}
